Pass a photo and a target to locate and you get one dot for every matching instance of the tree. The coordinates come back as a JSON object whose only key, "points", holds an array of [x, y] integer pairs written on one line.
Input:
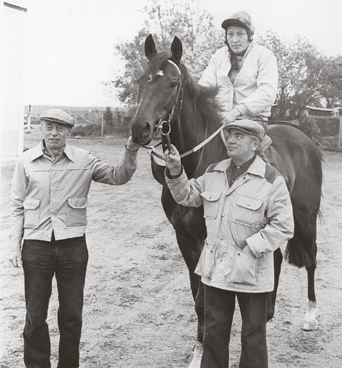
{"points": [[189, 21], [108, 117], [332, 91], [304, 76]]}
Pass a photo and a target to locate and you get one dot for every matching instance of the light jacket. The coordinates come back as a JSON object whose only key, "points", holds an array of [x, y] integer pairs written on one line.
{"points": [[48, 195], [245, 224], [255, 87]]}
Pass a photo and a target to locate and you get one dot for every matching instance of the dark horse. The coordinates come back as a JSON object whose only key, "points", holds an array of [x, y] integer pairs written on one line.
{"points": [[167, 92]]}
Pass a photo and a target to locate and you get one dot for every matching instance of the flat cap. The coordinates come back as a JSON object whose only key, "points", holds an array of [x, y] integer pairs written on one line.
{"points": [[58, 116], [249, 127]]}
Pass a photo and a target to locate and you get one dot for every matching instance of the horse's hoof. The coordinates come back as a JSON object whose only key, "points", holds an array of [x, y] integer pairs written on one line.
{"points": [[197, 356], [310, 320], [310, 325]]}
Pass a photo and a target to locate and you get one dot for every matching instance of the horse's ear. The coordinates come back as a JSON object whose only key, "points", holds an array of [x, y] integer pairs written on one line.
{"points": [[150, 47], [176, 49]]}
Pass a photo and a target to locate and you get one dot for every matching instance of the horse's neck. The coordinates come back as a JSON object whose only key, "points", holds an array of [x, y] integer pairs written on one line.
{"points": [[191, 130]]}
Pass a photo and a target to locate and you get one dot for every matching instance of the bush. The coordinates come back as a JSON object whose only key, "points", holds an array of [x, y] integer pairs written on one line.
{"points": [[329, 142], [328, 126], [93, 130], [86, 131]]}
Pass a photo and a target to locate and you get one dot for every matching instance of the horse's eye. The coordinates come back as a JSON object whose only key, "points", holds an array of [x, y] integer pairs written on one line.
{"points": [[173, 84]]}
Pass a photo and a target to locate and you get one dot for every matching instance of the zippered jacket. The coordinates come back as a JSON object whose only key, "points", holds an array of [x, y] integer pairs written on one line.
{"points": [[255, 87], [245, 224], [49, 195]]}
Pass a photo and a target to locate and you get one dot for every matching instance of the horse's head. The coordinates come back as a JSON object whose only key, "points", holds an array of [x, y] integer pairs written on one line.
{"points": [[159, 88]]}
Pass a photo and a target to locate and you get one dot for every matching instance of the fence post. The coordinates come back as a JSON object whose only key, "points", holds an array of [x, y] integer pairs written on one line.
{"points": [[102, 125], [340, 133]]}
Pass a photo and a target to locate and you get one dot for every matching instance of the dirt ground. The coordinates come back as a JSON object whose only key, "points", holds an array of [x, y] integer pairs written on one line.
{"points": [[138, 309]]}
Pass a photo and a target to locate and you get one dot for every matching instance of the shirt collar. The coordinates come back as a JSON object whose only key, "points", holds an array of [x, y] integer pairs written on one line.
{"points": [[46, 153], [38, 151], [257, 167], [244, 166]]}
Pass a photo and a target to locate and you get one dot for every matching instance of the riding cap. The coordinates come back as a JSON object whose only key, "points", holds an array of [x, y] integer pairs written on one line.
{"points": [[249, 127], [58, 116], [241, 19]]}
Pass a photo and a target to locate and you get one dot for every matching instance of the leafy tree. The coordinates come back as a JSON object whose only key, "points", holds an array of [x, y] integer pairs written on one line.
{"points": [[188, 20], [305, 76], [332, 88]]}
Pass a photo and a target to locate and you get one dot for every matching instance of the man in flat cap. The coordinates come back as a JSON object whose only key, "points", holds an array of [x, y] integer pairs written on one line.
{"points": [[49, 215], [248, 216]]}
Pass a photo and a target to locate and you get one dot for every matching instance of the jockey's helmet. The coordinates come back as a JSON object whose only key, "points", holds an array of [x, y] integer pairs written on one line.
{"points": [[241, 19]]}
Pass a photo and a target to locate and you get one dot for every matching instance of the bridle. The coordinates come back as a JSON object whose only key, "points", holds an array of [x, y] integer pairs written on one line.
{"points": [[165, 125]]}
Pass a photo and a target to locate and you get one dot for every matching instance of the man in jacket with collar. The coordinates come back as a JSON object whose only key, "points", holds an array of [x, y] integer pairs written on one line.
{"points": [[248, 214], [49, 216]]}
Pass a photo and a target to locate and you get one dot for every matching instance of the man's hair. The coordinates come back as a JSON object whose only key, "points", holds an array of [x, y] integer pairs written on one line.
{"points": [[257, 140]]}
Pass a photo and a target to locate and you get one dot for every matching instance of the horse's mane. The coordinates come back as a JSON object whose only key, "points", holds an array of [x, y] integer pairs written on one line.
{"points": [[202, 97]]}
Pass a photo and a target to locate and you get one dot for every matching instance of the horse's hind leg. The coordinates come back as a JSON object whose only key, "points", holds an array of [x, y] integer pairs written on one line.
{"points": [[302, 251], [310, 319], [278, 259]]}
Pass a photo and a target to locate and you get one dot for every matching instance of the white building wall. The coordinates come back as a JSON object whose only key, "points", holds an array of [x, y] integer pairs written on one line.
{"points": [[12, 101]]}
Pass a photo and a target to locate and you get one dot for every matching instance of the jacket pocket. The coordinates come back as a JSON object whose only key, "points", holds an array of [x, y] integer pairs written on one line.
{"points": [[211, 204], [206, 263], [249, 211], [77, 211], [244, 269], [31, 213]]}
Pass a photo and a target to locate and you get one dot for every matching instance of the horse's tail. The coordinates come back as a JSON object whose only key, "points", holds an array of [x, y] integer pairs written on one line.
{"points": [[295, 253], [301, 251]]}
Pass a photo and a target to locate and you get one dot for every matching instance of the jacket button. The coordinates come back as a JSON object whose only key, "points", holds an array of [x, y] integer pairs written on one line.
{"points": [[238, 254]]}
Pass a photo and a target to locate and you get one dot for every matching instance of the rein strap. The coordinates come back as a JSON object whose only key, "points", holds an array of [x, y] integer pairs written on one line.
{"points": [[187, 153]]}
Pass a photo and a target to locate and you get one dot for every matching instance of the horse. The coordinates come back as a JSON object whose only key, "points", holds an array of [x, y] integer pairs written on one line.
{"points": [[171, 100]]}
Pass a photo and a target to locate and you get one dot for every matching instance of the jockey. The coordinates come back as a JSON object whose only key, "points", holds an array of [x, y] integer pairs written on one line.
{"points": [[245, 73]]}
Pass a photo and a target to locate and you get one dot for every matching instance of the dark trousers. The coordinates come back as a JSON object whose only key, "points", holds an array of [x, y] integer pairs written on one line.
{"points": [[67, 260], [218, 316]]}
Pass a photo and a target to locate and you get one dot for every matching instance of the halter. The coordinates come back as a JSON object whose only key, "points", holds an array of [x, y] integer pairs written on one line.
{"points": [[165, 125]]}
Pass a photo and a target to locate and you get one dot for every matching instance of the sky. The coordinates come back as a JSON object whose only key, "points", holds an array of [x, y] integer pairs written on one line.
{"points": [[70, 43]]}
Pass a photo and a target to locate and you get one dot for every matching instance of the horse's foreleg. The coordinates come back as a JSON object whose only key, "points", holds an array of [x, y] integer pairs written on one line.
{"points": [[278, 259], [199, 307]]}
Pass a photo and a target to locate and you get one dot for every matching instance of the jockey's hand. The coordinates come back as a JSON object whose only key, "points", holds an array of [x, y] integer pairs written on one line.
{"points": [[131, 145], [231, 116], [15, 258], [173, 161]]}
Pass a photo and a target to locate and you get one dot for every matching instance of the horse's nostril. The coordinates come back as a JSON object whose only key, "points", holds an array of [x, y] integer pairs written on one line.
{"points": [[146, 130]]}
